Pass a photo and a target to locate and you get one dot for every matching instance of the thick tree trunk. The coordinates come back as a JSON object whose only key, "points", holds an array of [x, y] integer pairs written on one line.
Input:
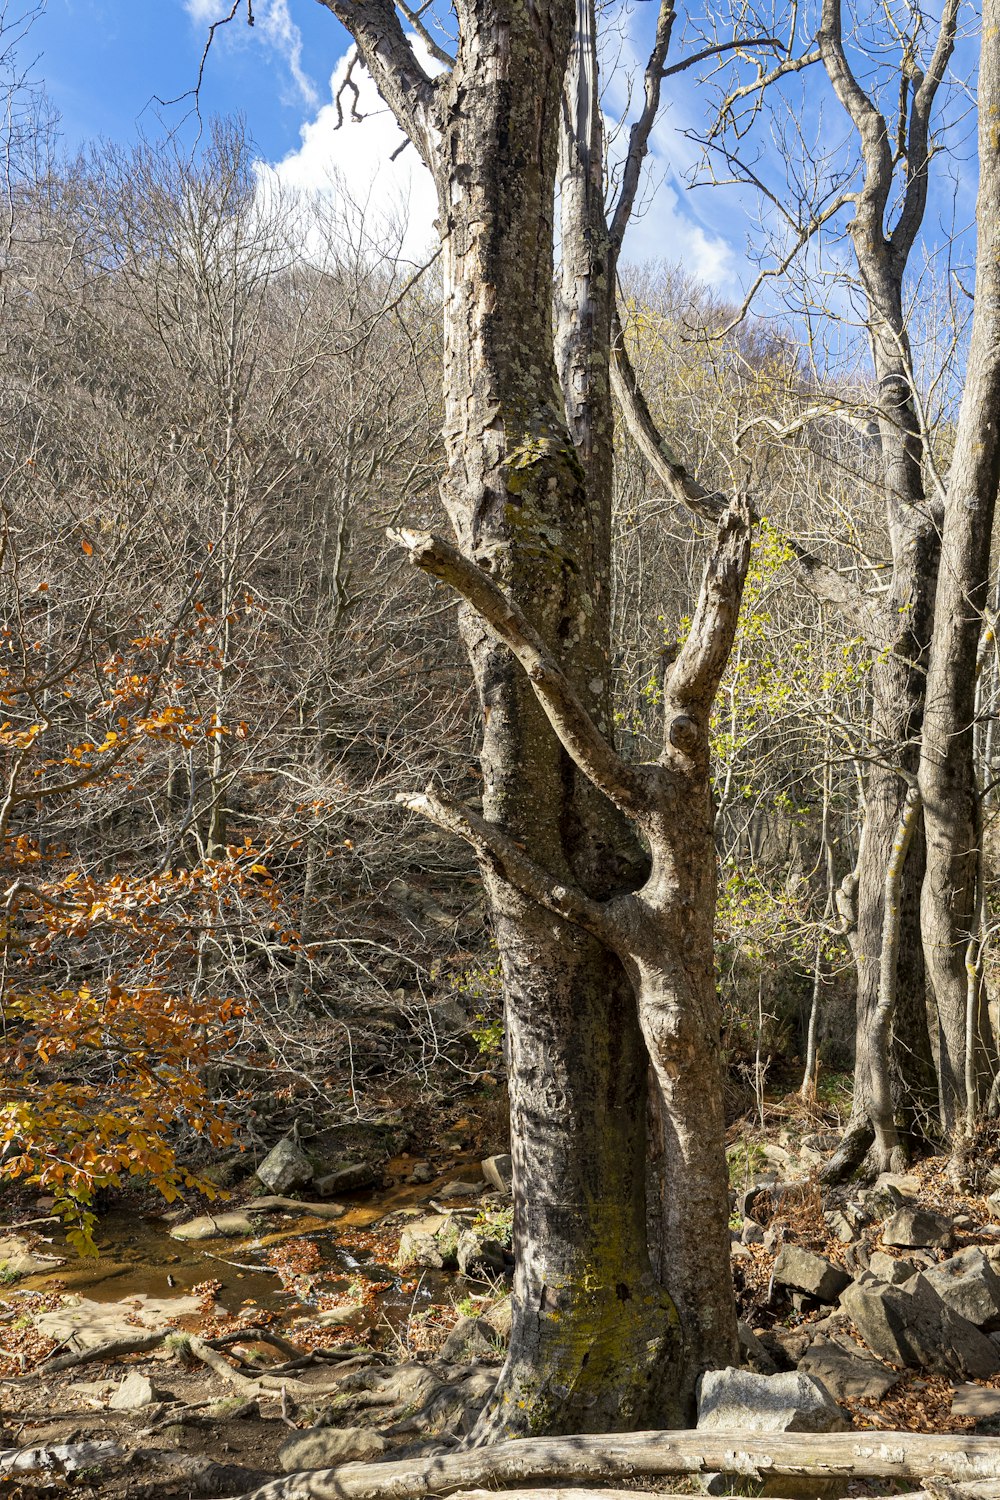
{"points": [[595, 1341], [949, 900]]}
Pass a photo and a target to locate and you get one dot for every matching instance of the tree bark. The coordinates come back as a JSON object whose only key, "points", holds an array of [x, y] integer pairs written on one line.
{"points": [[870, 1455], [949, 899]]}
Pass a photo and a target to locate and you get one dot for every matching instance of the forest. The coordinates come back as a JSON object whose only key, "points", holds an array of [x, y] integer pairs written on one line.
{"points": [[498, 808]]}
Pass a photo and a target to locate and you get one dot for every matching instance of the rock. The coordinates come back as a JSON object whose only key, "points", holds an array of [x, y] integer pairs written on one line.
{"points": [[917, 1227], [326, 1447], [888, 1268], [478, 1254], [431, 1241], [18, 1259], [968, 1284], [845, 1223], [82, 1324], [813, 1274], [336, 1317], [847, 1372], [136, 1391], [733, 1400], [213, 1227], [910, 1325], [499, 1173], [751, 1233], [459, 1189], [285, 1168], [975, 1401], [754, 1353], [422, 1172], [352, 1177], [471, 1340]]}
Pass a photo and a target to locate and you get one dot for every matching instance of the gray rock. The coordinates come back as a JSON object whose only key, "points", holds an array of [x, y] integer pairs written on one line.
{"points": [[910, 1325], [913, 1227], [431, 1241], [755, 1354], [734, 1400], [285, 1168], [459, 1189], [975, 1401], [479, 1254], [422, 1172], [326, 1447], [135, 1392], [752, 1233], [471, 1340], [888, 1268], [214, 1226], [18, 1259], [351, 1177], [813, 1274], [499, 1173], [968, 1284], [845, 1223], [847, 1372]]}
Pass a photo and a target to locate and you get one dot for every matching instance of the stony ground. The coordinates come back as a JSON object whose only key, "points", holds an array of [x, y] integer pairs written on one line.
{"points": [[888, 1295]]}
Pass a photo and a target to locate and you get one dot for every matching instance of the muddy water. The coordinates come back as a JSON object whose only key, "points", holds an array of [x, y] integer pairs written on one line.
{"points": [[138, 1257]]}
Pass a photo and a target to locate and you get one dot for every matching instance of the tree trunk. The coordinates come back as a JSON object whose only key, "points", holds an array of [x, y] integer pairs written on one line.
{"points": [[947, 767]]}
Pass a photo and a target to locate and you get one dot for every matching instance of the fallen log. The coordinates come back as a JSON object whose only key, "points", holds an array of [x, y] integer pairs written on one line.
{"points": [[634, 1455], [140, 1343], [979, 1489]]}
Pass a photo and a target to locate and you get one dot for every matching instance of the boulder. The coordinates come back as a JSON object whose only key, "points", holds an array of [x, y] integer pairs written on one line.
{"points": [[82, 1324], [285, 1168], [499, 1173], [460, 1189], [910, 1325], [350, 1177], [733, 1400], [752, 1233], [888, 1268], [500, 1318], [135, 1392], [975, 1401], [471, 1340], [422, 1172], [846, 1222], [478, 1254], [917, 1228], [326, 1447], [213, 1227], [968, 1284], [847, 1372], [431, 1241], [740, 1401], [813, 1274]]}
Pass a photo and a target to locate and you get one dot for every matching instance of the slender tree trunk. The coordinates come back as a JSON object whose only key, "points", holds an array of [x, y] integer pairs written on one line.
{"points": [[949, 901]]}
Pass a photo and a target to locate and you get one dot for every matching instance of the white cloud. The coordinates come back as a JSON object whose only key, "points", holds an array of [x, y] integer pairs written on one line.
{"points": [[386, 205], [273, 21]]}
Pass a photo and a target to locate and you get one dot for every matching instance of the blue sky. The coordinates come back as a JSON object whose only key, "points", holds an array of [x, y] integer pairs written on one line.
{"points": [[104, 61]]}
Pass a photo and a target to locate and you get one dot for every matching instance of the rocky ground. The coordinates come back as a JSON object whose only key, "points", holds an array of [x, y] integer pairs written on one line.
{"points": [[877, 1307]]}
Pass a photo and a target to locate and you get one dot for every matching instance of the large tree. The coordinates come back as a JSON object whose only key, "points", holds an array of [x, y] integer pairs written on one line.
{"points": [[605, 938]]}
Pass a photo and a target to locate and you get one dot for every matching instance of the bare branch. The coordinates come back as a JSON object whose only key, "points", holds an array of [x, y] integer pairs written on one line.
{"points": [[517, 867], [626, 786], [392, 62], [697, 672]]}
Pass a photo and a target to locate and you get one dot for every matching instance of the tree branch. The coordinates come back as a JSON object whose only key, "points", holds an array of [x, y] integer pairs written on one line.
{"points": [[517, 867], [626, 786], [695, 676], [390, 59]]}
